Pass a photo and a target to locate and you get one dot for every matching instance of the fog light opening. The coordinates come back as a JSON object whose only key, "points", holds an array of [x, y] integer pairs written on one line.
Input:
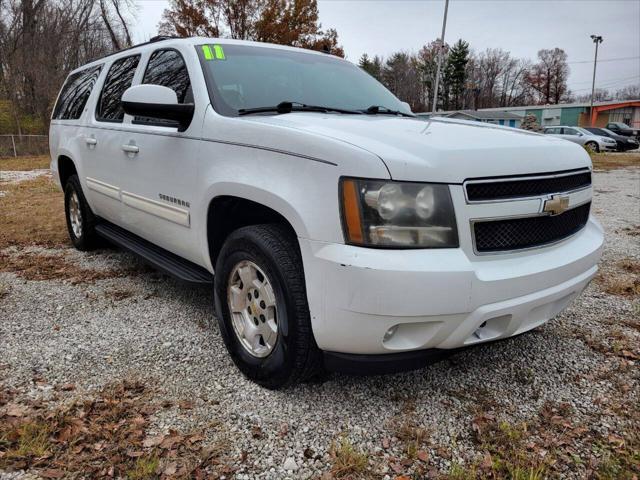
{"points": [[390, 333]]}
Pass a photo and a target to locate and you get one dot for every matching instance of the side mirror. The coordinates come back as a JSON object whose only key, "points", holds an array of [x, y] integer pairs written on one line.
{"points": [[407, 106], [156, 101]]}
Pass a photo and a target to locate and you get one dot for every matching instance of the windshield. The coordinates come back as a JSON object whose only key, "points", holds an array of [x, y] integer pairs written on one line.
{"points": [[244, 77]]}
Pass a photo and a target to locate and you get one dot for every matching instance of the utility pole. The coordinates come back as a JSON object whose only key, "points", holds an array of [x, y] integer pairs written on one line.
{"points": [[597, 39], [444, 27]]}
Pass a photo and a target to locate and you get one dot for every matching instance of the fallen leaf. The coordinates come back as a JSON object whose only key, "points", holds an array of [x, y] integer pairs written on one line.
{"points": [[52, 473], [198, 437], [171, 468], [616, 440], [67, 387], [16, 410], [153, 441], [186, 405], [385, 443], [422, 455], [170, 441]]}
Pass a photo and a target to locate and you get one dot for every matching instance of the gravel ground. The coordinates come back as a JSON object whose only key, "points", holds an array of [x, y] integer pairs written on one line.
{"points": [[15, 176], [150, 327]]}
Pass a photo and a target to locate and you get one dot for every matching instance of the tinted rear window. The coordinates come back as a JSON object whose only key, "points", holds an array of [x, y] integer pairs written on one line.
{"points": [[75, 93], [118, 79]]}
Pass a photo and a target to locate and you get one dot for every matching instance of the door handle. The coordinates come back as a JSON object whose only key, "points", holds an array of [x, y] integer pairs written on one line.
{"points": [[130, 148], [91, 141]]}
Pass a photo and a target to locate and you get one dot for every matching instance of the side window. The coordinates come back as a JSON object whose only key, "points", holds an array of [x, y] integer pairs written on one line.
{"points": [[569, 131], [75, 93], [118, 79], [167, 68]]}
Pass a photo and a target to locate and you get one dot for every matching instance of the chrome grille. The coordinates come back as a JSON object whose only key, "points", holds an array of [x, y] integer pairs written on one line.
{"points": [[528, 232], [479, 190]]}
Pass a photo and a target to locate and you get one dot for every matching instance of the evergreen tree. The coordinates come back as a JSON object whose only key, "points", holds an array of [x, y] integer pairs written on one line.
{"points": [[372, 67], [455, 74]]}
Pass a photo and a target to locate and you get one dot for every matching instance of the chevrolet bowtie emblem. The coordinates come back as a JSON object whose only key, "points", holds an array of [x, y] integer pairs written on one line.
{"points": [[556, 204]]}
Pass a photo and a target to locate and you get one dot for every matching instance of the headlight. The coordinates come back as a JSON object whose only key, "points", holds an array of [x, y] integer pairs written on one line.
{"points": [[397, 214]]}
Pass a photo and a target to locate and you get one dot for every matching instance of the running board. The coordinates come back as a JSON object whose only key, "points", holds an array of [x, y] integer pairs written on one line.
{"points": [[158, 257]]}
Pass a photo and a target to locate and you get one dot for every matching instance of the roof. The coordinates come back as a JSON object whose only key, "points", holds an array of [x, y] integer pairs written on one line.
{"points": [[474, 114], [486, 115], [169, 42], [558, 105]]}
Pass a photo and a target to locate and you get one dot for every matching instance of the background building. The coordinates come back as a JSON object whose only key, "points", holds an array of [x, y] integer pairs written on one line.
{"points": [[496, 117], [572, 114]]}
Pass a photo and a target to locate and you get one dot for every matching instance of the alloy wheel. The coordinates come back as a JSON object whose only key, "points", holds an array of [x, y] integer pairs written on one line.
{"points": [[75, 215], [252, 304]]}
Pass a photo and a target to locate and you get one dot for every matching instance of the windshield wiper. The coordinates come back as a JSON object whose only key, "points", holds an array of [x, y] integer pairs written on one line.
{"points": [[379, 109], [288, 107]]}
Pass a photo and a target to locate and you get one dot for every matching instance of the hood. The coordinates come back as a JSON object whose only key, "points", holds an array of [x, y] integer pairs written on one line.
{"points": [[440, 150]]}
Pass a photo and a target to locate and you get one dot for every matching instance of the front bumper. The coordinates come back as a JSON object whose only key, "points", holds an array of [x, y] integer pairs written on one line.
{"points": [[375, 301]]}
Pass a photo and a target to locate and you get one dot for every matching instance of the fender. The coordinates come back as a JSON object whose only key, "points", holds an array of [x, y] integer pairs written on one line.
{"points": [[255, 194]]}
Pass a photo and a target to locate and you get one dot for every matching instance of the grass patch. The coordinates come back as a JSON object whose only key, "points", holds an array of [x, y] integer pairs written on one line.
{"points": [[102, 437], [612, 161], [32, 213], [145, 467], [30, 440], [623, 279], [408, 430], [24, 163], [347, 461], [507, 453], [34, 266]]}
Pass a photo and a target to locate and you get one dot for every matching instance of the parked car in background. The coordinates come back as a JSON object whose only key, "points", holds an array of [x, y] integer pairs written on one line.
{"points": [[623, 129], [583, 137], [623, 142]]}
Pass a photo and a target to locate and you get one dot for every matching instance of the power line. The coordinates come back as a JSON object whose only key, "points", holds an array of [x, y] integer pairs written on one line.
{"points": [[611, 80], [619, 59], [606, 85]]}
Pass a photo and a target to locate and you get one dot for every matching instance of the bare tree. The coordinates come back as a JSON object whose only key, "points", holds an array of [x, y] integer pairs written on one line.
{"points": [[42, 40], [630, 92], [549, 76]]}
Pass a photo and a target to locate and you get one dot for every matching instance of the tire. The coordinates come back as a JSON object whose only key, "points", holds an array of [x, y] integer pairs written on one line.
{"points": [[593, 146], [290, 355], [81, 221]]}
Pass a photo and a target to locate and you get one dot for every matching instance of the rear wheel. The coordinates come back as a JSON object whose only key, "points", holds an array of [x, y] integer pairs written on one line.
{"points": [[80, 219], [593, 146], [261, 304]]}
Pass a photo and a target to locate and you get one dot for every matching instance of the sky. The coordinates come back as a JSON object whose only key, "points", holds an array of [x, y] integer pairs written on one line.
{"points": [[521, 27]]}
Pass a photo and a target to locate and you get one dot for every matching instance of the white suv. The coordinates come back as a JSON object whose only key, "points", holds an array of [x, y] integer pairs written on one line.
{"points": [[343, 232]]}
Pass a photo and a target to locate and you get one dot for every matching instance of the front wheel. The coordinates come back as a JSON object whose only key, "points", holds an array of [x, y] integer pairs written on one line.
{"points": [[593, 146], [262, 309]]}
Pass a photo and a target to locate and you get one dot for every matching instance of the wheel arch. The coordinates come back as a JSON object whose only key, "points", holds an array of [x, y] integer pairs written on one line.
{"points": [[66, 168], [227, 212]]}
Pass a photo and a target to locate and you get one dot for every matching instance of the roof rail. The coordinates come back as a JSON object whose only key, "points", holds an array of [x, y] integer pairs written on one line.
{"points": [[157, 38]]}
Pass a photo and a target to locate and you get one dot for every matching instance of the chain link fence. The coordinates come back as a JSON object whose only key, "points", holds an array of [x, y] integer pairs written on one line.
{"points": [[21, 145]]}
